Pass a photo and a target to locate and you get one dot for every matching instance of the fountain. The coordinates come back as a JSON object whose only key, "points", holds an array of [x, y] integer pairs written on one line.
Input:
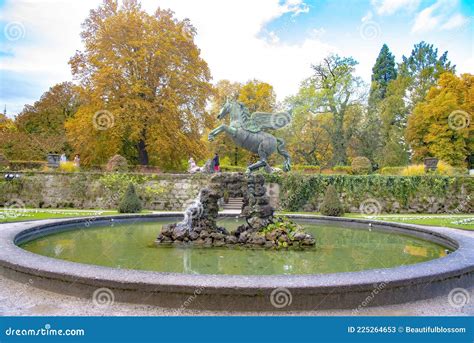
{"points": [[261, 228]]}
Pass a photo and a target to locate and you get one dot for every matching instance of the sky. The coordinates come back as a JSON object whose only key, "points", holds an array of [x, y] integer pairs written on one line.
{"points": [[275, 41]]}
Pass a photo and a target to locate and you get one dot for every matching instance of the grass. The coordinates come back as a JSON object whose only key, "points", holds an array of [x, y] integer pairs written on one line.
{"points": [[36, 214], [446, 220]]}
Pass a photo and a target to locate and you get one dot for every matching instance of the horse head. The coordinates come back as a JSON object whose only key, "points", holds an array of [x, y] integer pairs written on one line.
{"points": [[225, 110]]}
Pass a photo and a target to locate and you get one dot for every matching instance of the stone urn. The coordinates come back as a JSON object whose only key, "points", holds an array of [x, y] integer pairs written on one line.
{"points": [[431, 163]]}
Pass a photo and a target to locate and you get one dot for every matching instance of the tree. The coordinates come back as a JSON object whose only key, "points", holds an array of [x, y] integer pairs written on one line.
{"points": [[369, 141], [440, 125], [258, 96], [307, 140], [145, 87], [48, 115], [423, 68], [335, 90], [382, 73]]}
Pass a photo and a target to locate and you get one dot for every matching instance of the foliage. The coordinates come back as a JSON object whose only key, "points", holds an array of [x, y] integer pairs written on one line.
{"points": [[130, 202], [391, 170], [297, 189], [39, 128], [306, 168], [285, 226], [343, 169], [439, 126], [331, 205], [382, 73], [117, 163], [336, 91], [419, 169], [145, 88], [117, 183], [258, 96], [307, 140], [423, 68], [361, 165], [68, 167]]}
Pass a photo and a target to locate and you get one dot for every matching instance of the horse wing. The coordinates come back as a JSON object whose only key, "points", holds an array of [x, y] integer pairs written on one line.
{"points": [[270, 121]]}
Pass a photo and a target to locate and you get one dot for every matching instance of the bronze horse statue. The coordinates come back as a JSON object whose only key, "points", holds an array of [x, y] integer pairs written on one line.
{"points": [[247, 131]]}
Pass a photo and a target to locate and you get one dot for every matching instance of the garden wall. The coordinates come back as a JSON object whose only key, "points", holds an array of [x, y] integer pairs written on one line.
{"points": [[379, 193], [104, 190], [293, 192]]}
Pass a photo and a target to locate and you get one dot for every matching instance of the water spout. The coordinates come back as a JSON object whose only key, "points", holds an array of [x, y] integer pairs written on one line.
{"points": [[194, 210]]}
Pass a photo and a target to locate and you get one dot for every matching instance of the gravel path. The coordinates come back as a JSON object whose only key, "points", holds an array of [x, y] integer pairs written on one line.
{"points": [[17, 299]]}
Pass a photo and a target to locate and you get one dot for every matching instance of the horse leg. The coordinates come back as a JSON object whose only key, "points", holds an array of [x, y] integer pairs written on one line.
{"points": [[221, 128], [263, 154]]}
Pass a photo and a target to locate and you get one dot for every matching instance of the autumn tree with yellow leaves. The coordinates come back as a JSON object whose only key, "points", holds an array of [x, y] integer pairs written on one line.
{"points": [[144, 87], [441, 126]]}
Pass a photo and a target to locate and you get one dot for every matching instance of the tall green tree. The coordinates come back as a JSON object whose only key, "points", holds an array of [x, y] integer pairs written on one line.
{"points": [[423, 68], [383, 72], [336, 90]]}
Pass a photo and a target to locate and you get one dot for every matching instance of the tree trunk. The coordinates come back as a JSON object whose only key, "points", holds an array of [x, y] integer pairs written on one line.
{"points": [[142, 153]]}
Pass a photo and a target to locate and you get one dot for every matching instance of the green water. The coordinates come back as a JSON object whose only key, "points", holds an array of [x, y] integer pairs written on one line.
{"points": [[338, 250]]}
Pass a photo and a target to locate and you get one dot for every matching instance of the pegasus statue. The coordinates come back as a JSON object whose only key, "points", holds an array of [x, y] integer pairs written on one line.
{"points": [[248, 131]]}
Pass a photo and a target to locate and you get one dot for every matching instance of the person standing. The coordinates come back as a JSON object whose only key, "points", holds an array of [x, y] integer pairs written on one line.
{"points": [[215, 163], [63, 158], [77, 161]]}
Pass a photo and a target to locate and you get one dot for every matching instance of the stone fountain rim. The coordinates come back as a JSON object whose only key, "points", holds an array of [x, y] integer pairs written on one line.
{"points": [[18, 263]]}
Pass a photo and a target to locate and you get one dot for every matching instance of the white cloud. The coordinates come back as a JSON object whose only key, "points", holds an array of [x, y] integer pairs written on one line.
{"points": [[367, 17], [441, 15], [426, 20], [455, 21], [228, 36], [389, 7]]}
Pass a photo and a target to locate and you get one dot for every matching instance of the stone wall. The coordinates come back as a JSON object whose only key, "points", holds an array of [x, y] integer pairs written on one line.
{"points": [[101, 190], [286, 192]]}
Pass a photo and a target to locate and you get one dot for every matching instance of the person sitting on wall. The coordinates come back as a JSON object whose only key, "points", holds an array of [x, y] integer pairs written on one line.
{"points": [[193, 167]]}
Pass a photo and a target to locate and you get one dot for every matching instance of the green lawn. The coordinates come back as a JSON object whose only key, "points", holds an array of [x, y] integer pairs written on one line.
{"points": [[448, 220], [35, 214]]}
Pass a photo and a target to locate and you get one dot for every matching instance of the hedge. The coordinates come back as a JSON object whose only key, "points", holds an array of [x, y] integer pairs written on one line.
{"points": [[297, 190]]}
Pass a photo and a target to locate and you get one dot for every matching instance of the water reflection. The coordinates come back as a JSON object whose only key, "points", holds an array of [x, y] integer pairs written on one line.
{"points": [[337, 250]]}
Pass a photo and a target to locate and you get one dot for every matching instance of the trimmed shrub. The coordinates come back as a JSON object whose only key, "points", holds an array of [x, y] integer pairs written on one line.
{"points": [[331, 205], [342, 169], [307, 169], [391, 170], [419, 170], [117, 163], [68, 167], [361, 165], [130, 202]]}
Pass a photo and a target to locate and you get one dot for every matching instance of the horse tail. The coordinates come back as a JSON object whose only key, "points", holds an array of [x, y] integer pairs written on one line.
{"points": [[282, 151]]}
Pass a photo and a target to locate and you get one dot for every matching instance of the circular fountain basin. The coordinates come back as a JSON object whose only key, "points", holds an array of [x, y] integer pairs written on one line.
{"points": [[352, 260]]}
